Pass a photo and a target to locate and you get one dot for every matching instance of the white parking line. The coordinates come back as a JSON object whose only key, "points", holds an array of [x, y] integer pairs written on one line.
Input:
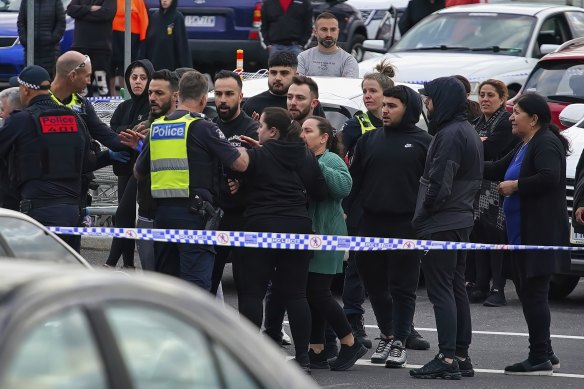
{"points": [[365, 362], [496, 333]]}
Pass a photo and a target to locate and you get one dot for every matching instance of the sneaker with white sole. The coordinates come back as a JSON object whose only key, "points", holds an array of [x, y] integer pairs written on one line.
{"points": [[397, 355], [527, 368], [382, 351], [286, 341]]}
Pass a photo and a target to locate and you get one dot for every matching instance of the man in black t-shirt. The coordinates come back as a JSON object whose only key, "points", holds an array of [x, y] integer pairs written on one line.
{"points": [[233, 122]]}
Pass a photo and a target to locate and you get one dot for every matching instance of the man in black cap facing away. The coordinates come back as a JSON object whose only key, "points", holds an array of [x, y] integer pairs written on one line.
{"points": [[51, 148]]}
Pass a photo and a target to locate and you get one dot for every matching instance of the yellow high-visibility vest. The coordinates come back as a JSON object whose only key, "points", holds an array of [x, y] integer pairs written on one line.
{"points": [[365, 122]]}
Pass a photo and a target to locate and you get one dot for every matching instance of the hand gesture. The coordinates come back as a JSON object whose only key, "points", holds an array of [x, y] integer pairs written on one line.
{"points": [[251, 142]]}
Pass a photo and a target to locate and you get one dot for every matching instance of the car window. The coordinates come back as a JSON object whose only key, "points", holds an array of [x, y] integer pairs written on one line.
{"points": [[559, 80], [472, 32], [59, 353], [554, 31], [28, 241], [576, 20], [234, 375], [162, 351]]}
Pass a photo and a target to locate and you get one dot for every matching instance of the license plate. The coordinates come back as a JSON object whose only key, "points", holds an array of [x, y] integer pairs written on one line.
{"points": [[200, 21], [576, 237]]}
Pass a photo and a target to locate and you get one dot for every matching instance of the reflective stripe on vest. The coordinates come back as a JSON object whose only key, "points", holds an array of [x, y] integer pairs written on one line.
{"points": [[169, 165], [365, 123]]}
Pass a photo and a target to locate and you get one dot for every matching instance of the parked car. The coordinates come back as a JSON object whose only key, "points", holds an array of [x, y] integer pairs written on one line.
{"points": [[563, 283], [501, 41], [67, 328], [12, 59], [559, 77], [373, 13], [23, 237], [217, 29]]}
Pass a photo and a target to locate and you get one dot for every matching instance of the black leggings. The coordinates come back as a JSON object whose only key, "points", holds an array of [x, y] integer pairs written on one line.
{"points": [[533, 294], [125, 217], [253, 269], [324, 308], [484, 265]]}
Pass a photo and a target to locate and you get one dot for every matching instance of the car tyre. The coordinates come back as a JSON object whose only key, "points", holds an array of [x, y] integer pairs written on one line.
{"points": [[356, 47], [561, 285]]}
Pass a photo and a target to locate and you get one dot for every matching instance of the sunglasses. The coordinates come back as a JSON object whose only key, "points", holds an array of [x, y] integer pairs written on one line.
{"points": [[82, 64]]}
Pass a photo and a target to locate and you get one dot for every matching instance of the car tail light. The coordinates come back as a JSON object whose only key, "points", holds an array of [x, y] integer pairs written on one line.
{"points": [[256, 22]]}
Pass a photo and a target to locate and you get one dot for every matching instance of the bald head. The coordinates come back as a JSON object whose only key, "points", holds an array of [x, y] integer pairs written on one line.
{"points": [[69, 61]]}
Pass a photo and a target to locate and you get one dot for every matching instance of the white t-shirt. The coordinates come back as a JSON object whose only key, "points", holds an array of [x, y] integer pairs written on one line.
{"points": [[313, 62]]}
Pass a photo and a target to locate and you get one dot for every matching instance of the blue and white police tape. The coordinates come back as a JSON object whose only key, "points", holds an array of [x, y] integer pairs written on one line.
{"points": [[272, 240]]}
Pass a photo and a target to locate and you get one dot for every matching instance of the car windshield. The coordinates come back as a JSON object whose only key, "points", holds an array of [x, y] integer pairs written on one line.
{"points": [[10, 5], [560, 81], [503, 34]]}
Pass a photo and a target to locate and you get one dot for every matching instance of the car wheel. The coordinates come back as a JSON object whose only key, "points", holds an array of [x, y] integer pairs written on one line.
{"points": [[561, 285], [356, 47], [513, 90]]}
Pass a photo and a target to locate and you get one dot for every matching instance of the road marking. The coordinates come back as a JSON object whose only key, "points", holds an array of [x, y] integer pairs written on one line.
{"points": [[365, 362], [496, 333]]}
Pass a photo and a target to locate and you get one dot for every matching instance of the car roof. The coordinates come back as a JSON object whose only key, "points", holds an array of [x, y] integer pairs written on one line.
{"points": [[573, 49], [531, 9]]}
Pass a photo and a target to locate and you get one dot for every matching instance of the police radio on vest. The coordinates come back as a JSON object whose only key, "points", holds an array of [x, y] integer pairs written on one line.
{"points": [[168, 131]]}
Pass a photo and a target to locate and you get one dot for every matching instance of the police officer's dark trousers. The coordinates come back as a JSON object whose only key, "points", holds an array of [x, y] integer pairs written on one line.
{"points": [[191, 262], [58, 216], [444, 275]]}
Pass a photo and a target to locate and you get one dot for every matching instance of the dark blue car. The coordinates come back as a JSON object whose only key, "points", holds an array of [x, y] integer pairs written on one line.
{"points": [[12, 59]]}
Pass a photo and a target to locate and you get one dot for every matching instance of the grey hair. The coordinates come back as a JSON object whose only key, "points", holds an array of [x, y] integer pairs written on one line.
{"points": [[12, 96]]}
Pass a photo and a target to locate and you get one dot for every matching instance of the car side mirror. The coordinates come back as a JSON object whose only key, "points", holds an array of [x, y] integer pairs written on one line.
{"points": [[375, 46], [572, 114], [548, 48]]}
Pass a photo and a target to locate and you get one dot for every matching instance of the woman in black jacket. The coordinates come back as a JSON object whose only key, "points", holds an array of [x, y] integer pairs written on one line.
{"points": [[281, 173], [494, 128], [533, 179], [127, 115]]}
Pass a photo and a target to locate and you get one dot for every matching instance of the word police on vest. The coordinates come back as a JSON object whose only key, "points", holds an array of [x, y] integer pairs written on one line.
{"points": [[168, 131], [58, 124]]}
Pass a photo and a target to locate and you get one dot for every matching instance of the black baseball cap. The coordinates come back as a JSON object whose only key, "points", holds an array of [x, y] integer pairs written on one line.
{"points": [[32, 77]]}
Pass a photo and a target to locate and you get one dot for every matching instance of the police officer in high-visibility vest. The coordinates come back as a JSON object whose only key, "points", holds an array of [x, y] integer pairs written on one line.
{"points": [[51, 148], [181, 155]]}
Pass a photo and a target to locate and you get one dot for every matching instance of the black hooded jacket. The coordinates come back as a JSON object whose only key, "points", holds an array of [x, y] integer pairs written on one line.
{"points": [[131, 112], [93, 29], [167, 46], [388, 163], [280, 177], [454, 166]]}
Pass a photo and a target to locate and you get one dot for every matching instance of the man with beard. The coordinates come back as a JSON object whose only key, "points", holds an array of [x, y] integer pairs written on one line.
{"points": [[281, 68], [388, 158], [233, 122], [302, 98], [327, 59]]}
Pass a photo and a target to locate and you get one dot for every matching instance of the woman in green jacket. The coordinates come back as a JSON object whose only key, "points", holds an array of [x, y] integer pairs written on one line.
{"points": [[327, 219]]}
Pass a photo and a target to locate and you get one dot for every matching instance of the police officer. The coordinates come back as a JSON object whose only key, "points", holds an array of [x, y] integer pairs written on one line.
{"points": [[181, 156], [51, 148]]}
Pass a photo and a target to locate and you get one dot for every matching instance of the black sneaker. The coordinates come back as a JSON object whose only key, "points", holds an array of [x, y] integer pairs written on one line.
{"points": [[318, 361], [331, 351], [555, 361], [416, 342], [526, 368], [438, 368], [348, 356], [496, 298], [358, 326], [477, 295], [465, 367]]}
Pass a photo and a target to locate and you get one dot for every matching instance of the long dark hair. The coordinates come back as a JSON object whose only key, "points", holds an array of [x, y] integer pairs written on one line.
{"points": [[281, 120], [325, 127], [534, 104]]}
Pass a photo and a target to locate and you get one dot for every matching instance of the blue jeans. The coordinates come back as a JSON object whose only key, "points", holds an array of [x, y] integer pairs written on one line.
{"points": [[191, 262], [292, 49]]}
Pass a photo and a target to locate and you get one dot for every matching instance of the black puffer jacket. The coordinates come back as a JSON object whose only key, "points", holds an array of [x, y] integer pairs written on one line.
{"points": [[454, 165], [49, 27], [93, 29]]}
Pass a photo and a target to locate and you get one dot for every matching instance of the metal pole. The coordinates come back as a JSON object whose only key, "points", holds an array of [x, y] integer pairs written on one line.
{"points": [[30, 32], [128, 34]]}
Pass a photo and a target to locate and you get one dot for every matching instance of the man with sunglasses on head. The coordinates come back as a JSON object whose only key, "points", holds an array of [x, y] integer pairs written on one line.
{"points": [[51, 149], [72, 75]]}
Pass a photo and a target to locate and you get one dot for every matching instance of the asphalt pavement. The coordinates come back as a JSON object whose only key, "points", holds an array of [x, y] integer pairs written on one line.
{"points": [[499, 338]]}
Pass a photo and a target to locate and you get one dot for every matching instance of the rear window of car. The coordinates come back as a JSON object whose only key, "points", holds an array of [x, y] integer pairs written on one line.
{"points": [[558, 80]]}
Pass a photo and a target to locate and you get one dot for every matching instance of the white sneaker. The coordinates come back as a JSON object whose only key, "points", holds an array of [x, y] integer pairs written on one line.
{"points": [[382, 351], [286, 341], [397, 355]]}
